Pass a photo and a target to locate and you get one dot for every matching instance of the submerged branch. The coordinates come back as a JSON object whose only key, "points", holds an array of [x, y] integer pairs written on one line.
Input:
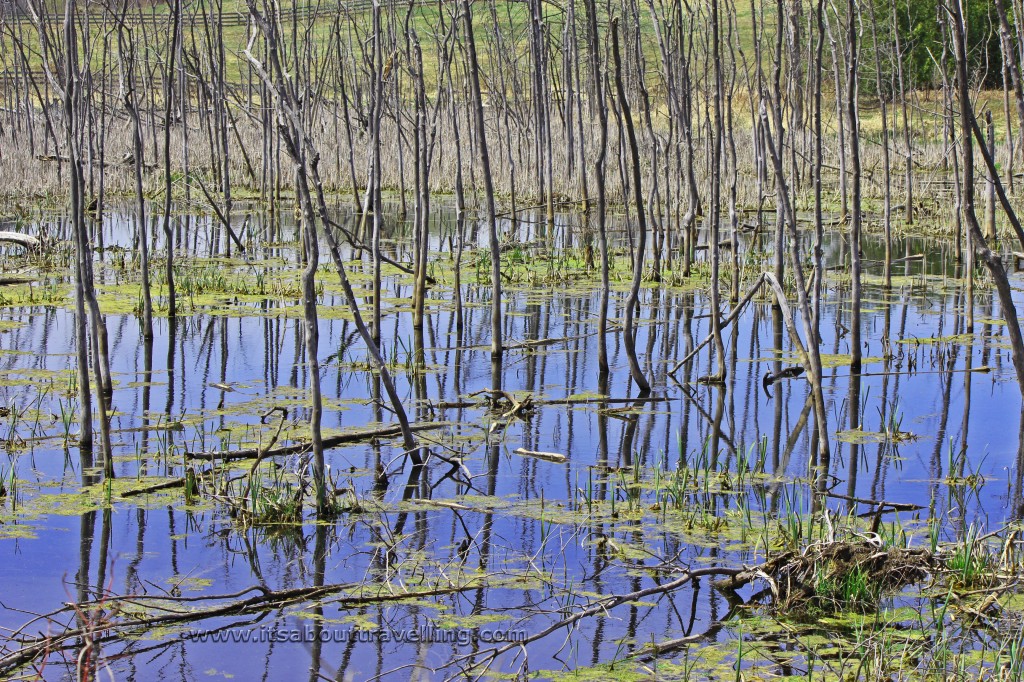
{"points": [[600, 606], [33, 648]]}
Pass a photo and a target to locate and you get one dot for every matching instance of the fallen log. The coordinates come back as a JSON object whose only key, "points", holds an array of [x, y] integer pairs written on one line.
{"points": [[26, 240], [329, 442], [6, 280], [569, 400], [156, 487], [895, 506], [536, 343]]}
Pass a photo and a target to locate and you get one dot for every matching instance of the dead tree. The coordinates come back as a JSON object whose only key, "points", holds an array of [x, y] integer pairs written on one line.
{"points": [[305, 156], [969, 129], [600, 107], [633, 300], [856, 219], [485, 163]]}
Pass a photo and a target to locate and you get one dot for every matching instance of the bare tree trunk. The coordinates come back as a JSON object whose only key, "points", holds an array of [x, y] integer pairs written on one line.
{"points": [[632, 301], [715, 215], [817, 260], [886, 167], [992, 259], [126, 49], [82, 250], [100, 365], [810, 355], [780, 137], [990, 183], [601, 107], [460, 222], [293, 134], [485, 162], [908, 151], [856, 220], [840, 121], [169, 86], [693, 207], [732, 165], [1010, 60], [422, 212], [1009, 121], [375, 173]]}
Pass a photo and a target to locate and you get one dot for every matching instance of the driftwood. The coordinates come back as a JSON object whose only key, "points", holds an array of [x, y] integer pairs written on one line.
{"points": [[26, 240], [655, 650], [329, 442], [583, 401], [556, 457], [905, 259], [879, 508], [263, 453], [736, 580]]}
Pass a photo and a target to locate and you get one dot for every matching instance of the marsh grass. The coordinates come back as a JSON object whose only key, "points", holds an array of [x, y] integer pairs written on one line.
{"points": [[855, 590], [27, 176]]}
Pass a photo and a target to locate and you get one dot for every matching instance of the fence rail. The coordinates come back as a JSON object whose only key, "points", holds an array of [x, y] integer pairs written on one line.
{"points": [[9, 10]]}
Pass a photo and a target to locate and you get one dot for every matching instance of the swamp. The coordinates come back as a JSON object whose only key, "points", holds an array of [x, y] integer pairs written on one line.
{"points": [[386, 340]]}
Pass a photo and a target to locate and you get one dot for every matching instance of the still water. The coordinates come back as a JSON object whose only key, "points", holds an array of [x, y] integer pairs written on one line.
{"points": [[517, 542]]}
